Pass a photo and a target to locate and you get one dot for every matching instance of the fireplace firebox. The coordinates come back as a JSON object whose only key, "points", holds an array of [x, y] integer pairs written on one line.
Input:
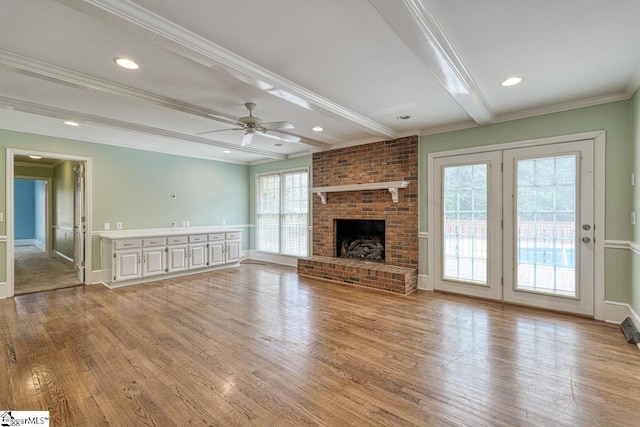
{"points": [[361, 239]]}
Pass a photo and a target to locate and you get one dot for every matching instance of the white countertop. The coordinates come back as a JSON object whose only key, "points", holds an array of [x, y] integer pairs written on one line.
{"points": [[158, 232]]}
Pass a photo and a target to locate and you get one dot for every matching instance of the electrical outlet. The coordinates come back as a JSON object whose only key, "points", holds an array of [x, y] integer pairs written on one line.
{"points": [[118, 226], [107, 226], [633, 218], [188, 223], [184, 223]]}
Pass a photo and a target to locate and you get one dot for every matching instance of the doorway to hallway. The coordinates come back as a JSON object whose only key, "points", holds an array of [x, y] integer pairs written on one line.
{"points": [[59, 252]]}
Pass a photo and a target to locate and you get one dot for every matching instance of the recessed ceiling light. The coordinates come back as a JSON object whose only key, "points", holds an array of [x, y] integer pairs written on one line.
{"points": [[127, 63], [226, 151], [403, 117], [71, 123], [317, 129], [511, 81], [35, 157]]}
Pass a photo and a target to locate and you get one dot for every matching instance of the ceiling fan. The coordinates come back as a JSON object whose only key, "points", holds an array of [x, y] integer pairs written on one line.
{"points": [[251, 125]]}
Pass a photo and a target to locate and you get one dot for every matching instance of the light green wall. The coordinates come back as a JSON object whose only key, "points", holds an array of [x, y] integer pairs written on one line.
{"points": [[295, 163], [134, 187], [634, 297], [615, 118]]}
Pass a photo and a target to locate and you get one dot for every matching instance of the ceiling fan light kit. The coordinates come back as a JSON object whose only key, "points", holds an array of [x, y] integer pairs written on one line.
{"points": [[252, 124]]}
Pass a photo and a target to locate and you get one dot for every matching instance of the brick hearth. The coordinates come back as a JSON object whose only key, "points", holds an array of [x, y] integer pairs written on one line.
{"points": [[370, 163], [360, 273]]}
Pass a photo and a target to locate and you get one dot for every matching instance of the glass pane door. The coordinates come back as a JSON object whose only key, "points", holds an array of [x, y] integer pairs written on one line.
{"points": [[548, 226], [467, 224]]}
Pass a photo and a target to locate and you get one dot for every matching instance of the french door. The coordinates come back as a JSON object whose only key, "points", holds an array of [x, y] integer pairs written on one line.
{"points": [[517, 225]]}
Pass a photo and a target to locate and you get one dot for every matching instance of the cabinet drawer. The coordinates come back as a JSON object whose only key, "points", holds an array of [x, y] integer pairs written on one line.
{"points": [[126, 244], [154, 241], [198, 238], [233, 236], [216, 237], [177, 240]]}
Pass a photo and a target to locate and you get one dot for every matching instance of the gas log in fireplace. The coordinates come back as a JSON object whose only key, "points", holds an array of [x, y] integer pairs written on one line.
{"points": [[361, 239]]}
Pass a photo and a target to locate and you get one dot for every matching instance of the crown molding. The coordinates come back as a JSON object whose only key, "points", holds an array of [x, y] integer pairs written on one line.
{"points": [[634, 83], [69, 78], [534, 112], [60, 113], [565, 106], [189, 45]]}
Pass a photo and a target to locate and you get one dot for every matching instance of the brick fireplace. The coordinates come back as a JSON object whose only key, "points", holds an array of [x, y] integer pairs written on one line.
{"points": [[379, 162]]}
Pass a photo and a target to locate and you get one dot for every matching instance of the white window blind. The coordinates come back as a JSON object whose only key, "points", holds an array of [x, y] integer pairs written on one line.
{"points": [[282, 213]]}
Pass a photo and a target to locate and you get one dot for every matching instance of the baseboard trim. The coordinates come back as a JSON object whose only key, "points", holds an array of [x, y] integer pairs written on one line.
{"points": [[289, 261], [29, 242], [616, 312], [95, 277], [424, 282], [64, 257]]}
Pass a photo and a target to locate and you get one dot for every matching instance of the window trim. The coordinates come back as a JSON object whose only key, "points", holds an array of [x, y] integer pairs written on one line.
{"points": [[280, 173]]}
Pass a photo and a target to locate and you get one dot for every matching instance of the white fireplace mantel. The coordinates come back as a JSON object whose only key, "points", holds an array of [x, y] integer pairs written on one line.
{"points": [[392, 186]]}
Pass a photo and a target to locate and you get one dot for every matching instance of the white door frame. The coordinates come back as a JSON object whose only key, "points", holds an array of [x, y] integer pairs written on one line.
{"points": [[9, 290], [599, 138]]}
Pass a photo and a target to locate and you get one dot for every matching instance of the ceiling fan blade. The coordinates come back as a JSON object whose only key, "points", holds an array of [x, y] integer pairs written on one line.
{"points": [[280, 136], [217, 130], [246, 140], [277, 125]]}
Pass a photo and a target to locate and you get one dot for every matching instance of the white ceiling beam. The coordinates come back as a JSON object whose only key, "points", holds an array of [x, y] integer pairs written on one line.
{"points": [[69, 78], [418, 28], [162, 32], [63, 114]]}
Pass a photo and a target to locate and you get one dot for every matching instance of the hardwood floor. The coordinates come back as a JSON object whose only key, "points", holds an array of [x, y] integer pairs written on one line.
{"points": [[258, 346]]}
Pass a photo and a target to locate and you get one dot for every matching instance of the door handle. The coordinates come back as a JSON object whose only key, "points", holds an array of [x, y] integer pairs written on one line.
{"points": [[586, 239]]}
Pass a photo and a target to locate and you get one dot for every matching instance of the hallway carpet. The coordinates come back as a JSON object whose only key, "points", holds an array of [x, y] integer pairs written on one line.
{"points": [[35, 271]]}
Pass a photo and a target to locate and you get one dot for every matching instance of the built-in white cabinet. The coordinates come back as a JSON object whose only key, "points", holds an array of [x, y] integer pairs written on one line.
{"points": [[154, 256], [177, 254], [224, 248], [198, 255], [133, 260], [234, 247], [126, 259]]}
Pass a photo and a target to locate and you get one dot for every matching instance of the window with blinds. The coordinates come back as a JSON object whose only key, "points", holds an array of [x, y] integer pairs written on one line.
{"points": [[282, 211]]}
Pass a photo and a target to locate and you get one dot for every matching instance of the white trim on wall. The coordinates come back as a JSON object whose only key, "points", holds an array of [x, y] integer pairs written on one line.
{"points": [[424, 282], [623, 244], [291, 261]]}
